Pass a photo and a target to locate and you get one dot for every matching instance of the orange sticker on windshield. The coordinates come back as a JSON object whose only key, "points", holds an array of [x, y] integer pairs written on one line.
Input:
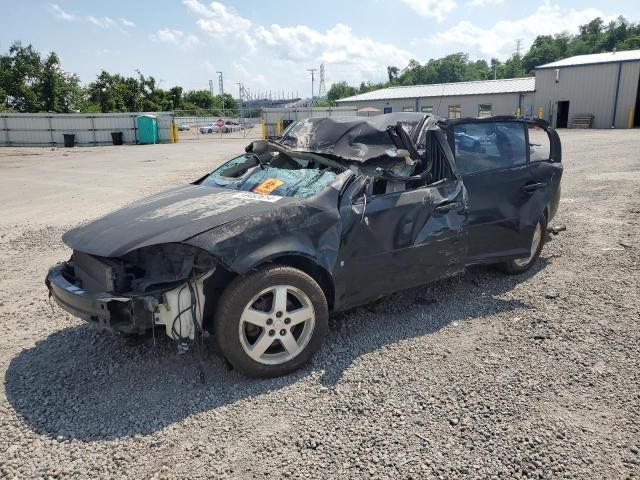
{"points": [[268, 186]]}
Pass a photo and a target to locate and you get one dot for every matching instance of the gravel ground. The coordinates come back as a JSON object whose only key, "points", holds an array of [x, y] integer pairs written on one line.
{"points": [[480, 376]]}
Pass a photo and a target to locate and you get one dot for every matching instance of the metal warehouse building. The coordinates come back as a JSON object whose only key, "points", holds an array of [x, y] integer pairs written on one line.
{"points": [[453, 100], [600, 91], [604, 87]]}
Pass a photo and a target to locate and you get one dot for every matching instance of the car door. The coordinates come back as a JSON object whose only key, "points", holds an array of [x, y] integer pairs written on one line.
{"points": [[506, 192], [393, 240]]}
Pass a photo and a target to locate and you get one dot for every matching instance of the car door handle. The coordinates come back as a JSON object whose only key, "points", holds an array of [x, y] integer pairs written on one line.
{"points": [[532, 187], [447, 207]]}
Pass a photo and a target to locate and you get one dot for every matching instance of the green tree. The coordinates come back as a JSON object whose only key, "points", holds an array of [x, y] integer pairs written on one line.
{"points": [[513, 67], [109, 92], [545, 49], [393, 73], [58, 91], [340, 90], [200, 98], [226, 102], [20, 71], [175, 96], [631, 43]]}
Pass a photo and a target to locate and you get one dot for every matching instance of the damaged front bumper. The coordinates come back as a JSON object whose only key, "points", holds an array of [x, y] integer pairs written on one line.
{"points": [[132, 313], [126, 314]]}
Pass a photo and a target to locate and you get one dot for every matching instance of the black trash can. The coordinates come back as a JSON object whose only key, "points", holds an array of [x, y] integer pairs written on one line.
{"points": [[117, 138], [69, 139]]}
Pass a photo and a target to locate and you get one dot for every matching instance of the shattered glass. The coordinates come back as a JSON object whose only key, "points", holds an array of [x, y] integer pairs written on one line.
{"points": [[298, 180]]}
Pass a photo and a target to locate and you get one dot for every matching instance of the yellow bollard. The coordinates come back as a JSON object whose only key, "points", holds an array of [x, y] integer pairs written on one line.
{"points": [[173, 133], [264, 129], [630, 117], [540, 113], [278, 125], [518, 112]]}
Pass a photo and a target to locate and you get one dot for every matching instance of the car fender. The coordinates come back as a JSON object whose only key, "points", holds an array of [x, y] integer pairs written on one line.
{"points": [[296, 229]]}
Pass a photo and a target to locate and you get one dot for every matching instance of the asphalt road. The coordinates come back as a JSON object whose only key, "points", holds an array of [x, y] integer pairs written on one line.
{"points": [[480, 376]]}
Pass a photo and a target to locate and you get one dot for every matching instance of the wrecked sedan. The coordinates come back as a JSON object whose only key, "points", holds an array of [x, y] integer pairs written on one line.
{"points": [[335, 213]]}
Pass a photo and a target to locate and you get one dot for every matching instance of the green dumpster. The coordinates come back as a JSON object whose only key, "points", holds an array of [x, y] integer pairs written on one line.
{"points": [[147, 126]]}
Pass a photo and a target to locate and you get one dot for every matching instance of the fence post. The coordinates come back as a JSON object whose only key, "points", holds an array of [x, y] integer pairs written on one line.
{"points": [[135, 129], [51, 130], [6, 130], [630, 116], [93, 128]]}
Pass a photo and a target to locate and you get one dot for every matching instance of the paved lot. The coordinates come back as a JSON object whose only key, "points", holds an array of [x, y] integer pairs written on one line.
{"points": [[481, 376]]}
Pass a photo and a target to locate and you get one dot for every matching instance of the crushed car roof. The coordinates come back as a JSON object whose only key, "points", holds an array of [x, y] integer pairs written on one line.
{"points": [[356, 139]]}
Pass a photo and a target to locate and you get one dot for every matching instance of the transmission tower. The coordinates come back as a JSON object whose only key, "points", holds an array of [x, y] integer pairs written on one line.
{"points": [[322, 89], [211, 87], [518, 46]]}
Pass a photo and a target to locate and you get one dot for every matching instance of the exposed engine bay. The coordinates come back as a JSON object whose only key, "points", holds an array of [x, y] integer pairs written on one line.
{"points": [[167, 281]]}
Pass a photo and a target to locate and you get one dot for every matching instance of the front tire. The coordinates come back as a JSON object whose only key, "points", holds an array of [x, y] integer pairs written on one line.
{"points": [[270, 322], [521, 265]]}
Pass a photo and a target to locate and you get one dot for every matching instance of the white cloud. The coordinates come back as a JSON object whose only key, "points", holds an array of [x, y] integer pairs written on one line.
{"points": [[176, 37], [58, 12], [222, 23], [500, 39], [337, 46], [438, 9], [127, 23], [249, 77], [292, 49], [484, 3], [102, 22]]}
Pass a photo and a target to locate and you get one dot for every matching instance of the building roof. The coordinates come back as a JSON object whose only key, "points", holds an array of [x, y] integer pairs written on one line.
{"points": [[595, 58], [481, 87]]}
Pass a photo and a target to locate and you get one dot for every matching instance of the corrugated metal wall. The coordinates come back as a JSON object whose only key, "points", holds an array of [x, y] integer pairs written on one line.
{"points": [[589, 89], [628, 92], [43, 129], [272, 116], [501, 104]]}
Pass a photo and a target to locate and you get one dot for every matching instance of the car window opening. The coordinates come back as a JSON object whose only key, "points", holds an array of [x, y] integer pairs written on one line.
{"points": [[489, 146], [433, 167]]}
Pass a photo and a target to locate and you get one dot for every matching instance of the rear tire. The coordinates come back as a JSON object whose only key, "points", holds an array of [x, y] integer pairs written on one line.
{"points": [[270, 322], [521, 265]]}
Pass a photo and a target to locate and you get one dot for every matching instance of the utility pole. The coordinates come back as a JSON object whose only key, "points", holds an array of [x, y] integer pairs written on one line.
{"points": [[240, 89], [221, 89], [313, 78]]}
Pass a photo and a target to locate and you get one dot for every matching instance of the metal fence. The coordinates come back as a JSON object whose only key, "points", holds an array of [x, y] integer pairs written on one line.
{"points": [[276, 119], [46, 129], [200, 124]]}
